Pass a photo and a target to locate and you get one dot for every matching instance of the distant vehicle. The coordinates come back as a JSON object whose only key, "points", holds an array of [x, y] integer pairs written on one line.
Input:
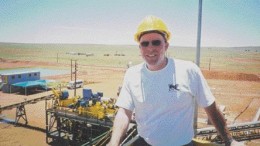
{"points": [[71, 85]]}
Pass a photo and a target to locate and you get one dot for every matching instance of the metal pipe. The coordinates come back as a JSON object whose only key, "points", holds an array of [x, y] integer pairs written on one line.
{"points": [[71, 69], [199, 33], [233, 127], [195, 119]]}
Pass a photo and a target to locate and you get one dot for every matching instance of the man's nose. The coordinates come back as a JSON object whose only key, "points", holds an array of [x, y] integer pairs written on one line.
{"points": [[151, 47]]}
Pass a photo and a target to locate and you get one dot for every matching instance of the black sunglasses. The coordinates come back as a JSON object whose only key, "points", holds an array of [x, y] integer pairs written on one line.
{"points": [[154, 43]]}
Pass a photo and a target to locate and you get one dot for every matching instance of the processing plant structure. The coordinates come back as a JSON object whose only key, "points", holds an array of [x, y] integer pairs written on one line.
{"points": [[79, 121]]}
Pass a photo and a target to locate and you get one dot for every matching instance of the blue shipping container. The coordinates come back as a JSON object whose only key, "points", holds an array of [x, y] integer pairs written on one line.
{"points": [[87, 93]]}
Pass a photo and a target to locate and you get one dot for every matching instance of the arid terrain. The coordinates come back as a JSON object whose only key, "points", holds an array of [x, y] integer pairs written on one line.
{"points": [[238, 92]]}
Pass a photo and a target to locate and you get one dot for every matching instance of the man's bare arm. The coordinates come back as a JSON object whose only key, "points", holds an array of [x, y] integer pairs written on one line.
{"points": [[219, 122], [120, 126]]}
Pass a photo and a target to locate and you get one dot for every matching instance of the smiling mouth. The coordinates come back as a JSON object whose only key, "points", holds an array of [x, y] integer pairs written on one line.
{"points": [[151, 55]]}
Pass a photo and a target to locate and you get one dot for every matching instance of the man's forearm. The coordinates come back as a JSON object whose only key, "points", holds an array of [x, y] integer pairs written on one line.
{"points": [[219, 122], [121, 123]]}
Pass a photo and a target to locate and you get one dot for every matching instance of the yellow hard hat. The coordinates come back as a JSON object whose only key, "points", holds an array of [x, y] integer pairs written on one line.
{"points": [[152, 23]]}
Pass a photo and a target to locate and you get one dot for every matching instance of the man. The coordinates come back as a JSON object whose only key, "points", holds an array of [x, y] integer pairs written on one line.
{"points": [[162, 91]]}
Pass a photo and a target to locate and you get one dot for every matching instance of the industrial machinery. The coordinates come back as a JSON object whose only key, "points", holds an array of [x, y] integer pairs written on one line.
{"points": [[91, 105], [79, 120], [62, 99]]}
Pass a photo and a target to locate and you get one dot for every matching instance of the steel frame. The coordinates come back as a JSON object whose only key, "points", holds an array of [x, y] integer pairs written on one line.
{"points": [[240, 132], [64, 127], [20, 113]]}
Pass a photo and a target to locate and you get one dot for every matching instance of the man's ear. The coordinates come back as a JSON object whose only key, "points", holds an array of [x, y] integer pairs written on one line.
{"points": [[166, 46]]}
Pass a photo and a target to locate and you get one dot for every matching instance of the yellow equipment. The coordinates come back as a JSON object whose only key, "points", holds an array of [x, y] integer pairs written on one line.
{"points": [[95, 111], [56, 93], [67, 102], [63, 102], [151, 23], [100, 110]]}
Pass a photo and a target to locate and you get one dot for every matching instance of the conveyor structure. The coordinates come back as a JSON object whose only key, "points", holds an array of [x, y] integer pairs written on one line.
{"points": [[20, 107], [240, 132]]}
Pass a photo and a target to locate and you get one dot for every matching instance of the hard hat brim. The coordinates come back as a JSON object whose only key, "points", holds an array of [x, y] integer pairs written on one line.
{"points": [[166, 35]]}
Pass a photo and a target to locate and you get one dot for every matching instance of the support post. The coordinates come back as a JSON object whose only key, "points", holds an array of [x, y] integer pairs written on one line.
{"points": [[195, 119], [75, 83], [20, 113], [46, 126], [71, 69]]}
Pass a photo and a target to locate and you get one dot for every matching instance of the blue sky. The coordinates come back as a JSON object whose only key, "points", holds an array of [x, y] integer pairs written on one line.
{"points": [[227, 23]]}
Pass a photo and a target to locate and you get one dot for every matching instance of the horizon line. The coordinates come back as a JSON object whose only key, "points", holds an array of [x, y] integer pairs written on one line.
{"points": [[125, 45]]}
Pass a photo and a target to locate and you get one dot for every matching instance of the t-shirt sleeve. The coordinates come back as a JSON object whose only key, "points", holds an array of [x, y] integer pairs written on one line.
{"points": [[125, 99], [203, 95]]}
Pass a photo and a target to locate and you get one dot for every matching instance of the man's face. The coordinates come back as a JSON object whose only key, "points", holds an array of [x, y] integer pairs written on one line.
{"points": [[153, 47]]}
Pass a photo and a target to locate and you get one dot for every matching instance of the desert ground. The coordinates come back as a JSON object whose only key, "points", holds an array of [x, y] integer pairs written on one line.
{"points": [[238, 92]]}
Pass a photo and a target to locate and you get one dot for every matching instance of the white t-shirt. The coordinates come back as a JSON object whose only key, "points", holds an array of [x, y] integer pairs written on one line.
{"points": [[163, 111]]}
